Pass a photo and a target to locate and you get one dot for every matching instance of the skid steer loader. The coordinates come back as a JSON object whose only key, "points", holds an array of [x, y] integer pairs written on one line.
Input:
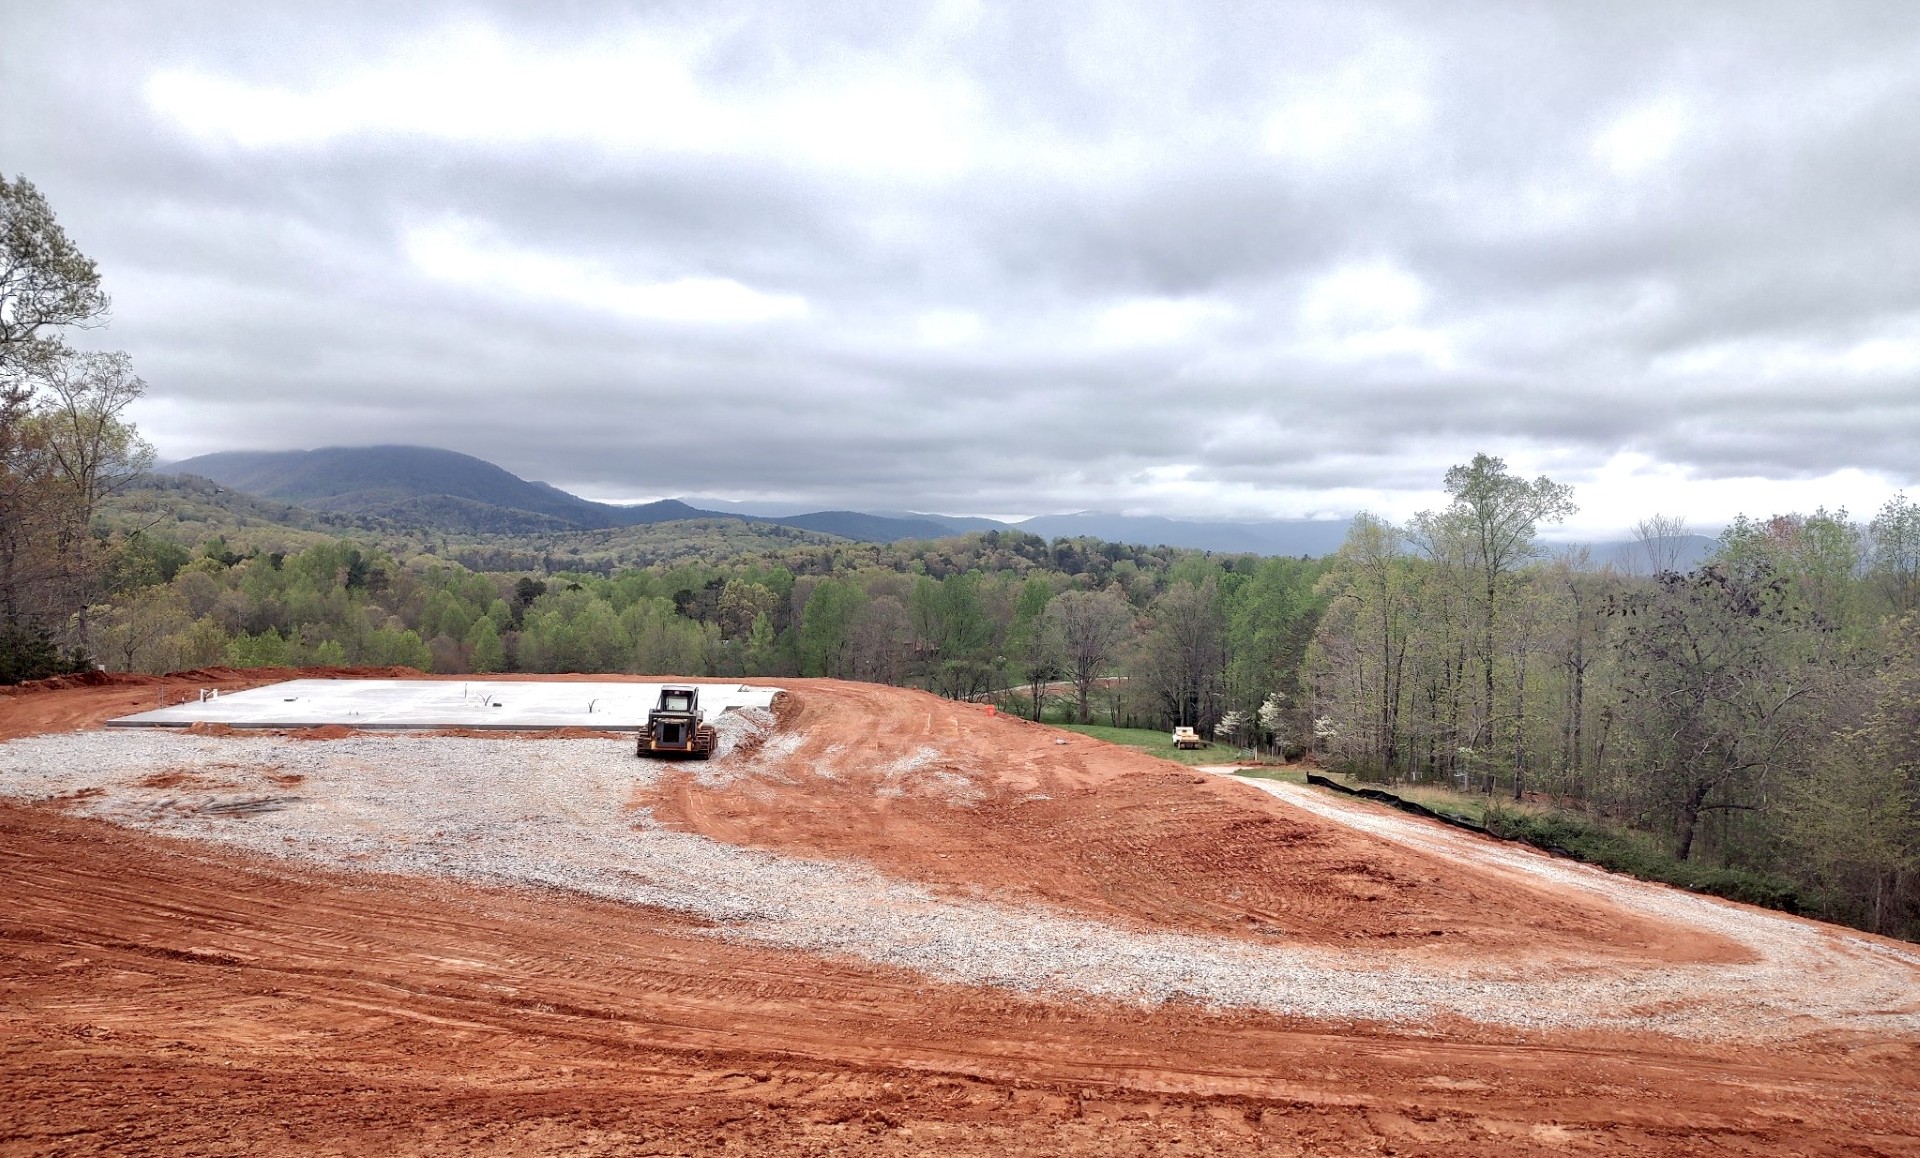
{"points": [[674, 727]]}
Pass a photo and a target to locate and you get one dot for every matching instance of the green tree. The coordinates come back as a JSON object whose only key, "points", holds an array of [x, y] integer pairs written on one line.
{"points": [[1894, 535], [1855, 817], [966, 637], [665, 642], [1818, 555], [138, 633], [488, 653], [330, 653], [60, 427], [1373, 571], [573, 631], [1030, 644], [30, 654], [46, 283], [762, 654], [395, 647], [1497, 513], [1579, 643], [91, 445], [1185, 653], [826, 628], [446, 614], [267, 649], [741, 605], [1722, 669]]}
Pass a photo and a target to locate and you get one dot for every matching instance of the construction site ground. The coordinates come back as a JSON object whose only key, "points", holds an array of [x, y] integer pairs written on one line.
{"points": [[879, 923]]}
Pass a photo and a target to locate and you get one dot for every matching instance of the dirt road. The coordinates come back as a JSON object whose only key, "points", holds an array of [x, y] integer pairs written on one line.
{"points": [[200, 994]]}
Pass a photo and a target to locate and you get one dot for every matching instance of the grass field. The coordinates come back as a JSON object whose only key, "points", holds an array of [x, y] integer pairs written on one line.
{"points": [[1159, 743], [1292, 773], [1442, 798]]}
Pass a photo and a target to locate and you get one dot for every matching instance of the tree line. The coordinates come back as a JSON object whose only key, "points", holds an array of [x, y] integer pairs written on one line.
{"points": [[1131, 636], [1757, 711]]}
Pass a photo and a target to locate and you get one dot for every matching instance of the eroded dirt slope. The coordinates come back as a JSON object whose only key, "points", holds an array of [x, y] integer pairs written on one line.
{"points": [[937, 791]]}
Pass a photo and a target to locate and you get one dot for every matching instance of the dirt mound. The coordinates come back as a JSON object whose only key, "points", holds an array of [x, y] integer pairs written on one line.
{"points": [[85, 679], [941, 792]]}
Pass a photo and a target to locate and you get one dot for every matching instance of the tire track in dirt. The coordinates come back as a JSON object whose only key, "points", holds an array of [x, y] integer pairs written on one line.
{"points": [[1795, 968], [164, 996], [547, 814]]}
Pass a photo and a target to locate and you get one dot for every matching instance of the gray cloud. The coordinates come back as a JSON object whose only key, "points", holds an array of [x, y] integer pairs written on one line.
{"points": [[1210, 259]]}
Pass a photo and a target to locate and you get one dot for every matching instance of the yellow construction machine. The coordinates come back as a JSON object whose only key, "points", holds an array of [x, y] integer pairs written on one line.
{"points": [[674, 727]]}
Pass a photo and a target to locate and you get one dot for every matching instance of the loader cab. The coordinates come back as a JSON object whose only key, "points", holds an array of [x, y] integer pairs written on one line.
{"points": [[674, 727]]}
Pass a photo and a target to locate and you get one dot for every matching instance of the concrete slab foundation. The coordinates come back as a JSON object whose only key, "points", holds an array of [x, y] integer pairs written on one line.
{"points": [[504, 705]]}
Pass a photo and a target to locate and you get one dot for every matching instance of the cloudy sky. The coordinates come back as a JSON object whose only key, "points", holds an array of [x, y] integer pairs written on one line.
{"points": [[1207, 260]]}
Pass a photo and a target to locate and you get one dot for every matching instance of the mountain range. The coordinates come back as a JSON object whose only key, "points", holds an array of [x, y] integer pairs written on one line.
{"points": [[458, 493], [455, 492]]}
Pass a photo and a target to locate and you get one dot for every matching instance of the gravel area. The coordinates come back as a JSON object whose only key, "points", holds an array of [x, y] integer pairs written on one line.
{"points": [[554, 813]]}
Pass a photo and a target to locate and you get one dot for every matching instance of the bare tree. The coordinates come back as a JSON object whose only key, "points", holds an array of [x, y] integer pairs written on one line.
{"points": [[1186, 652], [1091, 627], [1661, 539], [882, 641], [1895, 552], [1373, 560], [90, 443]]}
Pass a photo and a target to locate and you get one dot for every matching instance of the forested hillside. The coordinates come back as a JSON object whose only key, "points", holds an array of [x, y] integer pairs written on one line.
{"points": [[1141, 634], [190, 511]]}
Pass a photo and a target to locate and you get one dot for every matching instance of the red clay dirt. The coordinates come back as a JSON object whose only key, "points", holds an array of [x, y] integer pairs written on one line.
{"points": [[90, 699], [941, 792], [166, 997]]}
